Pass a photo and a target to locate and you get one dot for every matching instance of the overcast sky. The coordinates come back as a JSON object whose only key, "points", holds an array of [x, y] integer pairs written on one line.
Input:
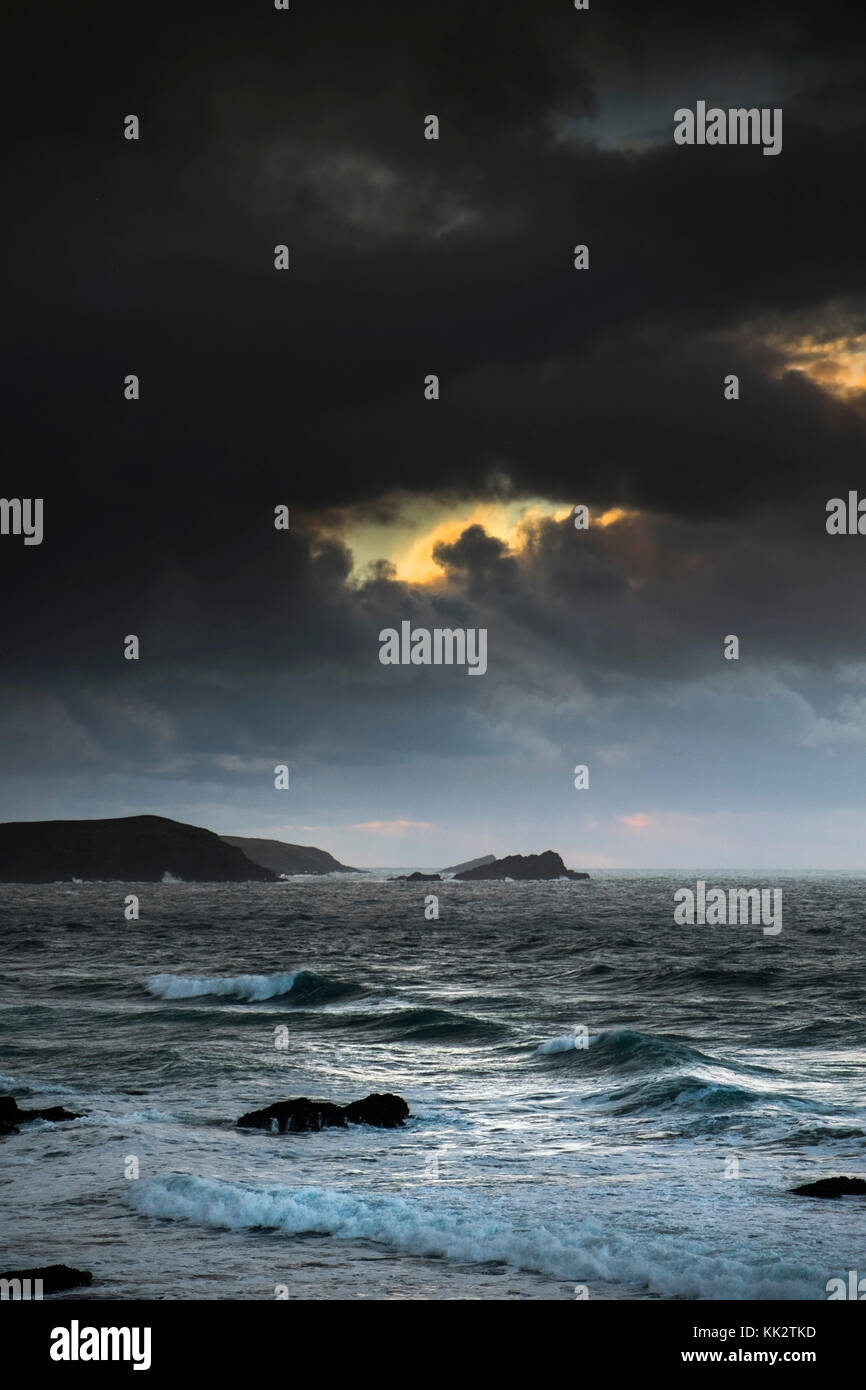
{"points": [[558, 387]]}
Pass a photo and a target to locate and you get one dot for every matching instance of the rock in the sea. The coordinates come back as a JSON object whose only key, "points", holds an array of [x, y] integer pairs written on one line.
{"points": [[832, 1187], [294, 1116], [55, 1278], [384, 1111], [470, 864], [418, 877], [11, 1117], [522, 866]]}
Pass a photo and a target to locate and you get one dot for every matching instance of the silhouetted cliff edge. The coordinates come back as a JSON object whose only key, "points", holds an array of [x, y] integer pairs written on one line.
{"points": [[283, 858], [127, 849]]}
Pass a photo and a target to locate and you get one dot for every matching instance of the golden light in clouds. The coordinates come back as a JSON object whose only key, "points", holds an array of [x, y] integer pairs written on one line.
{"points": [[837, 364], [415, 564], [418, 525], [610, 517]]}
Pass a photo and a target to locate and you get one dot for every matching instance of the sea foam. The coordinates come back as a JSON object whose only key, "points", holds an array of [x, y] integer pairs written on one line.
{"points": [[223, 986], [592, 1250]]}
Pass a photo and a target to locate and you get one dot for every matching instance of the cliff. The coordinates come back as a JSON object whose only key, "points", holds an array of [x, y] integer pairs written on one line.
{"points": [[282, 858], [127, 849]]}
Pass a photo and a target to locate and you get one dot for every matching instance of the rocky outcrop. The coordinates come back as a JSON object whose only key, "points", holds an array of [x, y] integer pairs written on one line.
{"points": [[11, 1116], [54, 1279], [418, 877], [471, 864], [522, 866], [130, 849], [832, 1188], [283, 858], [296, 1116]]}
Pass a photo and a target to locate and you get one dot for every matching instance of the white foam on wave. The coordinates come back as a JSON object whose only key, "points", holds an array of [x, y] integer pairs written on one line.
{"points": [[223, 986], [567, 1043], [96, 1117], [591, 1250], [563, 1044], [12, 1084]]}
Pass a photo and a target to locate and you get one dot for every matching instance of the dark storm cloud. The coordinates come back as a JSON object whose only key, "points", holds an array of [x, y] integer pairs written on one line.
{"points": [[410, 257], [647, 600]]}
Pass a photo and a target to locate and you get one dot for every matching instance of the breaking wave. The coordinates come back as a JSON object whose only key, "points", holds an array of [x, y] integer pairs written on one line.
{"points": [[300, 984], [591, 1250], [625, 1049]]}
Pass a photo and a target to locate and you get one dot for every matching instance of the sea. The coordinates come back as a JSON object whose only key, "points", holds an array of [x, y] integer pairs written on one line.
{"points": [[604, 1104]]}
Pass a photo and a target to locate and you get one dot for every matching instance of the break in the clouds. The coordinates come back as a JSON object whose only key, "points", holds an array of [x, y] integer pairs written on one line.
{"points": [[557, 388]]}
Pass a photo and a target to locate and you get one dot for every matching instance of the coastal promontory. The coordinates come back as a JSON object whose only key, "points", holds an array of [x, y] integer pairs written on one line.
{"points": [[132, 849], [283, 858]]}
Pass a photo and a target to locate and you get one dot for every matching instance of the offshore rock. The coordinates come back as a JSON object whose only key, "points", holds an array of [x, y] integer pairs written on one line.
{"points": [[522, 866], [54, 1278], [832, 1188], [296, 1116], [11, 1117]]}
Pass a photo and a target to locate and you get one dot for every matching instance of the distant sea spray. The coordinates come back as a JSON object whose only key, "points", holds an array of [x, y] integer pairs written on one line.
{"points": [[304, 984]]}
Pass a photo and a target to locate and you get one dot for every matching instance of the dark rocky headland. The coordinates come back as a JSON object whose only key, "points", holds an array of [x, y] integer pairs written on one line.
{"points": [[132, 849], [283, 858]]}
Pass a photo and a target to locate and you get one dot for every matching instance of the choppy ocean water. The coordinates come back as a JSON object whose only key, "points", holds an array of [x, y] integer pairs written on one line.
{"points": [[723, 1067]]}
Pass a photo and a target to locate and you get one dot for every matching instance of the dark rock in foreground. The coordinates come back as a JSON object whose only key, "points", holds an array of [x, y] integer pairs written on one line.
{"points": [[418, 877], [54, 1278], [295, 1116], [522, 866], [11, 1117], [283, 858], [832, 1187], [129, 849]]}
